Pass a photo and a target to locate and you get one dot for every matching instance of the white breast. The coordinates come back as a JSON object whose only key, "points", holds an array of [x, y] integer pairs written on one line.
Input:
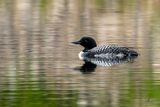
{"points": [[80, 55]]}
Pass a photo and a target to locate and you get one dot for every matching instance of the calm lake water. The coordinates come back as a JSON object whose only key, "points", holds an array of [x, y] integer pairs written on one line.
{"points": [[38, 63]]}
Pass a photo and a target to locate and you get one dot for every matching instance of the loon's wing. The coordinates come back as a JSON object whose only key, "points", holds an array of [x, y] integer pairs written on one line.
{"points": [[107, 55], [109, 49], [109, 61]]}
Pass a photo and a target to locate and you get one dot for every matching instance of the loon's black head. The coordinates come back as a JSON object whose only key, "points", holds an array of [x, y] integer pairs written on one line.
{"points": [[86, 42]]}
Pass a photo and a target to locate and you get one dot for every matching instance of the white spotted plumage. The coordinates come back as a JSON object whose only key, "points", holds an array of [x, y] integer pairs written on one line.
{"points": [[109, 51]]}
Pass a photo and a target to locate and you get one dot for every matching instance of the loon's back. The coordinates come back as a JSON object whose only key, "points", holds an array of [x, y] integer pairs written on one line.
{"points": [[110, 51]]}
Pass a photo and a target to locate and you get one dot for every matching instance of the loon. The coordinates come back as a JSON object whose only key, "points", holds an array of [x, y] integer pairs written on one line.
{"points": [[91, 50]]}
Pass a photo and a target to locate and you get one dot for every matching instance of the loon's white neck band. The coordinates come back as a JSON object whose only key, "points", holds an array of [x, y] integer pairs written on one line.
{"points": [[80, 55]]}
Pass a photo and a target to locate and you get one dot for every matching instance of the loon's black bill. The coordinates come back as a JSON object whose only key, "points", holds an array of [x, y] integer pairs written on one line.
{"points": [[76, 42]]}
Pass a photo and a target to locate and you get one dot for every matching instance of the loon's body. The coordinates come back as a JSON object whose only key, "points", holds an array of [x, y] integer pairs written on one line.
{"points": [[91, 50]]}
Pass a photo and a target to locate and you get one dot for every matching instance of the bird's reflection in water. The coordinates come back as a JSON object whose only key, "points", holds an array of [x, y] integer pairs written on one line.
{"points": [[87, 67], [90, 64]]}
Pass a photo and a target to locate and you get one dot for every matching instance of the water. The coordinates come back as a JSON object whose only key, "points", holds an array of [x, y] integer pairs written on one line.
{"points": [[38, 65]]}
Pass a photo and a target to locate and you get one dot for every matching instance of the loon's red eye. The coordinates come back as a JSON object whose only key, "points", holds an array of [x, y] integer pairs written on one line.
{"points": [[85, 40]]}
